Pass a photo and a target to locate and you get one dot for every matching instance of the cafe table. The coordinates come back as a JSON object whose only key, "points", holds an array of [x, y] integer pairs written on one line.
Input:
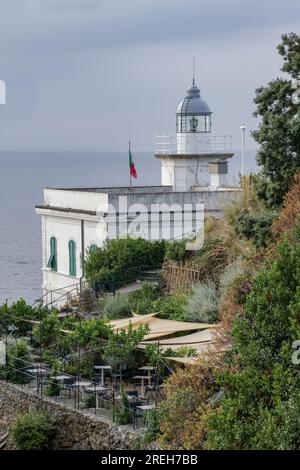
{"points": [[102, 368]]}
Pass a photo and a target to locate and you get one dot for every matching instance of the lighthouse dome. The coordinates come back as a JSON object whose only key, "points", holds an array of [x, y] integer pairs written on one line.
{"points": [[193, 113], [193, 104]]}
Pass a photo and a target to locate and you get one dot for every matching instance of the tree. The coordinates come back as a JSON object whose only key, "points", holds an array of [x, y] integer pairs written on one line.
{"points": [[261, 405], [279, 131], [122, 344]]}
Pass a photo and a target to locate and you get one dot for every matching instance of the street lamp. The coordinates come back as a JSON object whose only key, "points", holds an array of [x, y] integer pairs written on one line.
{"points": [[243, 129]]}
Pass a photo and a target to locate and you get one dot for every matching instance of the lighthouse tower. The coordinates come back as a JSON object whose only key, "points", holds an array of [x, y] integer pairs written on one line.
{"points": [[197, 158]]}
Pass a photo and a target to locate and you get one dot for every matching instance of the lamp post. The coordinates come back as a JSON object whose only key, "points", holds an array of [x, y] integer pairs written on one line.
{"points": [[243, 129]]}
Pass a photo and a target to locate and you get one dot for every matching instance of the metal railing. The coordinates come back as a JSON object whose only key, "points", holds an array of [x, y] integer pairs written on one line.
{"points": [[72, 390], [61, 295], [206, 144]]}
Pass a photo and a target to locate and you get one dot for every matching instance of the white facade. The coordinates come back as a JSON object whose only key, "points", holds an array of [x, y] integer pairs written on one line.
{"points": [[184, 172]]}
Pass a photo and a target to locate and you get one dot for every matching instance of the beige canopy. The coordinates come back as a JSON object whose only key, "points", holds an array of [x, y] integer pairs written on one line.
{"points": [[197, 341], [160, 331], [203, 336], [158, 327]]}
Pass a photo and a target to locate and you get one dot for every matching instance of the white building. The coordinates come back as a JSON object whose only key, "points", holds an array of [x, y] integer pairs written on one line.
{"points": [[193, 182]]}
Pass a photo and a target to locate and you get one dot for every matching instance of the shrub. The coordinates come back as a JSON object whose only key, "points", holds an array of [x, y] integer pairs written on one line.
{"points": [[53, 389], [183, 351], [152, 418], [17, 355], [183, 403], [213, 257], [15, 314], [117, 306], [289, 214], [123, 412], [175, 251], [172, 306], [232, 271], [33, 431], [202, 305], [187, 395], [90, 401], [120, 261], [141, 301], [256, 226], [261, 405]]}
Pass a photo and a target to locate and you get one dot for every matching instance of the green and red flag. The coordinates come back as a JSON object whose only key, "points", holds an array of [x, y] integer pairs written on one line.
{"points": [[132, 169]]}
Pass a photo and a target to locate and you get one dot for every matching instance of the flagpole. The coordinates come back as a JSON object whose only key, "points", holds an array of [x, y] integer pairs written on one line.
{"points": [[129, 143]]}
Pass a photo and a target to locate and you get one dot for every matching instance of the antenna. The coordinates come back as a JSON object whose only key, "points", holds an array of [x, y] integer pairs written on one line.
{"points": [[193, 70]]}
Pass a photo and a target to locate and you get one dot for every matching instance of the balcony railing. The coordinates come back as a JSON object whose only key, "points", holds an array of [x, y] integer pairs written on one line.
{"points": [[212, 144]]}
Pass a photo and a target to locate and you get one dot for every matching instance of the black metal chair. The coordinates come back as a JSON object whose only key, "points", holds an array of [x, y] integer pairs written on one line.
{"points": [[132, 393], [68, 387], [136, 412]]}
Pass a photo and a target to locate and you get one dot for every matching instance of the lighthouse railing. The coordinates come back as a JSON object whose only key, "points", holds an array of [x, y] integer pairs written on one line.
{"points": [[204, 144]]}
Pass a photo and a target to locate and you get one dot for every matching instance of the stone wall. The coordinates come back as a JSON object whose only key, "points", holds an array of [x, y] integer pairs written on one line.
{"points": [[75, 430]]}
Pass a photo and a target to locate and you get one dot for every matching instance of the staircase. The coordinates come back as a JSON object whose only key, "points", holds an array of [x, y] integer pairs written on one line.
{"points": [[150, 276]]}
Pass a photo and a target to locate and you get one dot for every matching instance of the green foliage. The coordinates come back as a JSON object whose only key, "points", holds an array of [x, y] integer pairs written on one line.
{"points": [[123, 412], [90, 333], [121, 260], [33, 431], [202, 304], [154, 356], [14, 317], [153, 419], [142, 300], [90, 401], [261, 407], [117, 306], [183, 351], [18, 355], [256, 226], [53, 389], [48, 331], [122, 344], [279, 131], [172, 306], [175, 251]]}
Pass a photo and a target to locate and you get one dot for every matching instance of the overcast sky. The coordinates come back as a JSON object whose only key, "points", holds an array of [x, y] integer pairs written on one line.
{"points": [[92, 74]]}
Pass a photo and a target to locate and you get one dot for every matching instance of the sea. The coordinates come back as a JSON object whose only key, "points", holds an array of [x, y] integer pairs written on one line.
{"points": [[23, 175]]}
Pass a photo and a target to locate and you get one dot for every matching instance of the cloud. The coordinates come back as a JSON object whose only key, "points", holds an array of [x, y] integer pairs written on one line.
{"points": [[89, 73], [66, 25]]}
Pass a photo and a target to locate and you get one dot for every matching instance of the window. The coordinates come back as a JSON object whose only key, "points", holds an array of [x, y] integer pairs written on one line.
{"points": [[72, 258], [52, 262], [93, 247]]}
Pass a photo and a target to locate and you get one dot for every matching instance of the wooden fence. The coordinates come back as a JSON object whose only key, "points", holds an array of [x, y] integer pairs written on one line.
{"points": [[180, 276]]}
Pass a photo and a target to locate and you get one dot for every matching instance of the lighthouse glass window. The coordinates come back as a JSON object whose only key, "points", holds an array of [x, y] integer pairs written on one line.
{"points": [[193, 124]]}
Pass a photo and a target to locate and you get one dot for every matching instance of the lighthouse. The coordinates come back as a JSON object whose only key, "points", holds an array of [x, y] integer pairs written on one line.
{"points": [[196, 158], [193, 186]]}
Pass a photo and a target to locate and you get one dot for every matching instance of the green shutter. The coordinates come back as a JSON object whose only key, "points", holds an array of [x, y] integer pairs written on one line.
{"points": [[52, 262], [93, 247], [72, 258]]}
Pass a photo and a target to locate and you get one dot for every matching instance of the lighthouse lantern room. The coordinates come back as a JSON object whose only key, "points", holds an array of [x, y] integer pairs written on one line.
{"points": [[186, 165]]}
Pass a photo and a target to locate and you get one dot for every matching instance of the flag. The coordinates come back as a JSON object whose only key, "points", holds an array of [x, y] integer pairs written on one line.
{"points": [[131, 166]]}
